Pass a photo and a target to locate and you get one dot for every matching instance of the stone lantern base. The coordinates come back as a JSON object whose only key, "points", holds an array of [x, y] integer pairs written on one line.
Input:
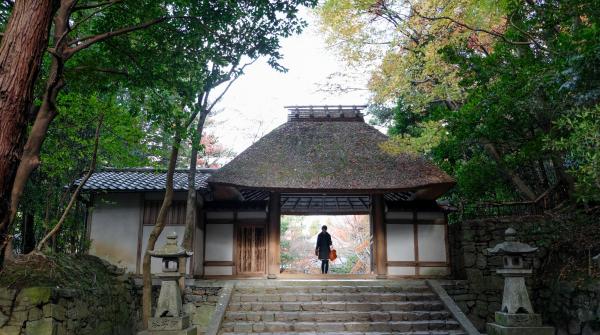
{"points": [[518, 324], [169, 326]]}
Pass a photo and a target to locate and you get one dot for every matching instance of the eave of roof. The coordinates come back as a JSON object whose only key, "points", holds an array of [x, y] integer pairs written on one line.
{"points": [[142, 180]]}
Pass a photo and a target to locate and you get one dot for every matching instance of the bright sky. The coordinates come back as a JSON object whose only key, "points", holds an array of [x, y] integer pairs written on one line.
{"points": [[254, 104]]}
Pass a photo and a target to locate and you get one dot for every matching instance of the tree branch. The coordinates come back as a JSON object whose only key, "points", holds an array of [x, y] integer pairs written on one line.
{"points": [[92, 167], [99, 69], [93, 5], [89, 40], [481, 30], [103, 7], [228, 85]]}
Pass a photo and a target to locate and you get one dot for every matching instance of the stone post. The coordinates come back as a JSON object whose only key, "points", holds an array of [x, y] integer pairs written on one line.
{"points": [[516, 316], [169, 318]]}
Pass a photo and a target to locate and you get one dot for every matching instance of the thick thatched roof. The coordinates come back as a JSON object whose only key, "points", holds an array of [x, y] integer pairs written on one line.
{"points": [[330, 155]]}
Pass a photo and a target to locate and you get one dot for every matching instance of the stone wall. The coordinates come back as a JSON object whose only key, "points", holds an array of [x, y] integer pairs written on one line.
{"points": [[199, 301], [573, 311], [107, 309], [200, 298]]}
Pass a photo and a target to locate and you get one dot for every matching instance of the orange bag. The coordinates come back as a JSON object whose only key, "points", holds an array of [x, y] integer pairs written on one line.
{"points": [[332, 255]]}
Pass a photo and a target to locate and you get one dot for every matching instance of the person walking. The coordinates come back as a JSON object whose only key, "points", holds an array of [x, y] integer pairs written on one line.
{"points": [[323, 248]]}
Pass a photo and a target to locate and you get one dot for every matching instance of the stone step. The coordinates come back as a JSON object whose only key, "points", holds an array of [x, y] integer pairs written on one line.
{"points": [[386, 326], [279, 289], [361, 296], [375, 316], [323, 306]]}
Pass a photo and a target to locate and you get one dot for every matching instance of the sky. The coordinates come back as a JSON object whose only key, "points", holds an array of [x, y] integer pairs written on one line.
{"points": [[254, 105]]}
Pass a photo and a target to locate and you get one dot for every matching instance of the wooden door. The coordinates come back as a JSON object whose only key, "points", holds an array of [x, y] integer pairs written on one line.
{"points": [[251, 249]]}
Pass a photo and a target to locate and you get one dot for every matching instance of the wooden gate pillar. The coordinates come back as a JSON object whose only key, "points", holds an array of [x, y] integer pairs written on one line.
{"points": [[378, 215], [274, 232]]}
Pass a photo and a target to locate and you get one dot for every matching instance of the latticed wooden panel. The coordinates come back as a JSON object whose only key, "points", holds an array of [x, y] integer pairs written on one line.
{"points": [[175, 215], [251, 248]]}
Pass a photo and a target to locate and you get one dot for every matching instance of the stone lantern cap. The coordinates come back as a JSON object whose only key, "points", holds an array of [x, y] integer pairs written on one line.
{"points": [[170, 249], [511, 246]]}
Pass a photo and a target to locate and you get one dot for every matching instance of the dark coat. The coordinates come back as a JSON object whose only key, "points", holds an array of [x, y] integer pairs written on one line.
{"points": [[323, 245]]}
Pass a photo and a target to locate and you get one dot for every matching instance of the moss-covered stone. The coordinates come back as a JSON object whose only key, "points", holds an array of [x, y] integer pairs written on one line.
{"points": [[35, 295], [44, 326], [11, 330], [202, 315], [7, 293], [79, 296], [54, 311]]}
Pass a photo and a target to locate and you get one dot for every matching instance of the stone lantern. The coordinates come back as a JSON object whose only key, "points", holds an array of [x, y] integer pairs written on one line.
{"points": [[516, 316], [169, 318]]}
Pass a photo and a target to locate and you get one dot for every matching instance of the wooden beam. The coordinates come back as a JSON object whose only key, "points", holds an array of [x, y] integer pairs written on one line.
{"points": [[219, 263], [273, 257], [378, 208]]}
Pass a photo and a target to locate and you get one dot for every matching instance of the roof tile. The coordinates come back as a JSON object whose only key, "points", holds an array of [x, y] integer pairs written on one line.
{"points": [[142, 180]]}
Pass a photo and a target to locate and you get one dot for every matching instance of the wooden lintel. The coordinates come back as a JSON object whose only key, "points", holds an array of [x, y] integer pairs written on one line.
{"points": [[413, 263], [219, 263]]}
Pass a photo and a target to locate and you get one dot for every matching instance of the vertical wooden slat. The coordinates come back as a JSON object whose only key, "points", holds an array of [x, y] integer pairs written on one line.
{"points": [[416, 243], [138, 263], [379, 227], [273, 258]]}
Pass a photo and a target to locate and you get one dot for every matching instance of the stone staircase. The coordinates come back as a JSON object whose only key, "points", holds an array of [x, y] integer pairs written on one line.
{"points": [[337, 307]]}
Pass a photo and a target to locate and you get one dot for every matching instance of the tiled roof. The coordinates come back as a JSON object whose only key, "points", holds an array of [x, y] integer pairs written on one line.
{"points": [[142, 180]]}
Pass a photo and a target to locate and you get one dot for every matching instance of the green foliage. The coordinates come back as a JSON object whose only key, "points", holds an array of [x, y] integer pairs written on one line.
{"points": [[345, 267], [148, 84], [495, 92], [67, 154], [80, 272], [581, 143]]}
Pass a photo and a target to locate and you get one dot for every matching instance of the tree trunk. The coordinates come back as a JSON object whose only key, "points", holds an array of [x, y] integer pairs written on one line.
{"points": [[61, 53], [28, 233], [47, 112], [8, 248], [510, 174], [156, 231], [23, 44], [191, 205]]}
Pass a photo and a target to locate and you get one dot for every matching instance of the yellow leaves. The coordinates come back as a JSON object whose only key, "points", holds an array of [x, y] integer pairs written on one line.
{"points": [[433, 132], [407, 48], [348, 27]]}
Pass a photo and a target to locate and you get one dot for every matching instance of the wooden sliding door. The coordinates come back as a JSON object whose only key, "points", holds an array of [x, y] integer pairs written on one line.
{"points": [[251, 249]]}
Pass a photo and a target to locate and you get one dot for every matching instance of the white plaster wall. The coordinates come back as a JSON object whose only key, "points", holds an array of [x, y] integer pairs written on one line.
{"points": [[156, 264], [218, 270], [219, 242], [114, 228], [432, 243], [401, 271], [400, 242]]}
